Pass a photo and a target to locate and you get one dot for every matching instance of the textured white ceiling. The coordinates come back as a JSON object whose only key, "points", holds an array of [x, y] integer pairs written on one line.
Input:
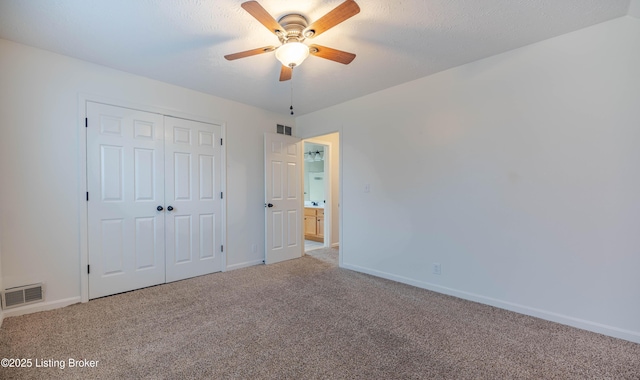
{"points": [[183, 41]]}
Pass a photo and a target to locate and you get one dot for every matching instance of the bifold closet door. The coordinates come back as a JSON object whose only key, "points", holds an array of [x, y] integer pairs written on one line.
{"points": [[125, 175], [154, 199]]}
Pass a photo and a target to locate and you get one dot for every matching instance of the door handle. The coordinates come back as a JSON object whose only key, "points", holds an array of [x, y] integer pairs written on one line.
{"points": [[269, 205], [159, 208], [170, 208]]}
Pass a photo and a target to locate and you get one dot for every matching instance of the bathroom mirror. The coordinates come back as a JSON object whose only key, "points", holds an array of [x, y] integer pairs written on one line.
{"points": [[313, 175]]}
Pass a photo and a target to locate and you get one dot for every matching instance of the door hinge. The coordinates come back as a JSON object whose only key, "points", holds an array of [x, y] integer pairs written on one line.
{"points": [[220, 141], [86, 122], [222, 248], [221, 195], [88, 269], [87, 196]]}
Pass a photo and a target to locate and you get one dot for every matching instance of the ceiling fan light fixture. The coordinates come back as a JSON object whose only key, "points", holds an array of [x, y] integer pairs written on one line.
{"points": [[292, 53]]}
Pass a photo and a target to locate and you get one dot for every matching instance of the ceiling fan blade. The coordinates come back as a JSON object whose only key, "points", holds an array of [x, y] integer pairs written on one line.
{"points": [[285, 73], [249, 53], [331, 54], [260, 14], [340, 13]]}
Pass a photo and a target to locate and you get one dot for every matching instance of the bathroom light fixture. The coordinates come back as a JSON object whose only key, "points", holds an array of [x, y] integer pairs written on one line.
{"points": [[314, 156]]}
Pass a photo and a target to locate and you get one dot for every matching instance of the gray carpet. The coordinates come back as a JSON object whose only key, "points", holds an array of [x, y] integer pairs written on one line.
{"points": [[305, 319]]}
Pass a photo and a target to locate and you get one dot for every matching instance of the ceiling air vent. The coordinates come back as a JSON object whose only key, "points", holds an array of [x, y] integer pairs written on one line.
{"points": [[22, 295], [283, 129]]}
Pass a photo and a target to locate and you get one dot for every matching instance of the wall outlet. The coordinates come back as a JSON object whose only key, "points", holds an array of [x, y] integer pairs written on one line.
{"points": [[254, 248], [437, 269]]}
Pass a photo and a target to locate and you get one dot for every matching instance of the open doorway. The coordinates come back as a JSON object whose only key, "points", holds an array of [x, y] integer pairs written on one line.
{"points": [[315, 194], [321, 192]]}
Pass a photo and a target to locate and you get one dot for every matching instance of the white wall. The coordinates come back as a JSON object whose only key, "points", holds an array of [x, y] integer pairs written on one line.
{"points": [[39, 162], [333, 140], [517, 173], [634, 8]]}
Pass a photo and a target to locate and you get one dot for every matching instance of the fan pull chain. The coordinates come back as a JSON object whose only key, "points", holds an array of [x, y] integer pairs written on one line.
{"points": [[291, 107]]}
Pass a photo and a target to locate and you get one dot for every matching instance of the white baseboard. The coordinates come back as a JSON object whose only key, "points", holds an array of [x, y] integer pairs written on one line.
{"points": [[245, 264], [1, 317], [335, 245], [40, 306], [632, 336]]}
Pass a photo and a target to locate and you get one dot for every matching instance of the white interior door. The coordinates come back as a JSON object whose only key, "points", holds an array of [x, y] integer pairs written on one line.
{"points": [[283, 197], [193, 198], [125, 178]]}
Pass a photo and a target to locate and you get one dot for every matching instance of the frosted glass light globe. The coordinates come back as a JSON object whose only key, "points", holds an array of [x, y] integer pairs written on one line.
{"points": [[292, 53]]}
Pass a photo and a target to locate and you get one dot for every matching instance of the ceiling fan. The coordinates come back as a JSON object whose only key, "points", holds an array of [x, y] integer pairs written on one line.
{"points": [[292, 30]]}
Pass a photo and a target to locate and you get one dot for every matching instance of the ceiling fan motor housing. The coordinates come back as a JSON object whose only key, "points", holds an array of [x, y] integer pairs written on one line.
{"points": [[294, 25]]}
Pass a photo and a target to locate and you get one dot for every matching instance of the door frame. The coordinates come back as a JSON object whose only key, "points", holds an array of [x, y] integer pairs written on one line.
{"points": [[83, 229]]}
